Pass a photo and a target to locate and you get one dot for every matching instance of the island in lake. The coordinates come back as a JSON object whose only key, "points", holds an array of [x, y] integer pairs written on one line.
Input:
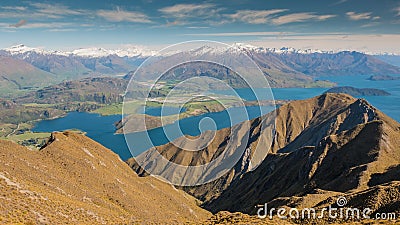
{"points": [[358, 91], [382, 78]]}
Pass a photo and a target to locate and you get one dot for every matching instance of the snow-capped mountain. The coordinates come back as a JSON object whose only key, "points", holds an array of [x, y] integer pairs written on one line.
{"points": [[101, 52], [282, 50], [143, 52], [81, 62], [240, 48], [130, 51], [23, 49], [288, 61]]}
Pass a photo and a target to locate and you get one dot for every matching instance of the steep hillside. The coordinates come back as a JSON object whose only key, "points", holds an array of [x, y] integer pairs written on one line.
{"points": [[340, 146], [76, 180], [17, 76], [340, 163], [332, 142], [280, 73]]}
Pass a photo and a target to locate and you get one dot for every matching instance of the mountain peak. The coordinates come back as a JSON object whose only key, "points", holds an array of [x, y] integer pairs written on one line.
{"points": [[20, 48]]}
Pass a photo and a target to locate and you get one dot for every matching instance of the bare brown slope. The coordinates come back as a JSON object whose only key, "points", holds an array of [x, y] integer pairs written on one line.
{"points": [[340, 163], [334, 142], [76, 180], [357, 144], [379, 199]]}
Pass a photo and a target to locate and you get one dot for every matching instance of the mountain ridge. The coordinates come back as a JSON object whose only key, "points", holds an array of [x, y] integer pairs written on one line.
{"points": [[73, 179], [332, 142]]}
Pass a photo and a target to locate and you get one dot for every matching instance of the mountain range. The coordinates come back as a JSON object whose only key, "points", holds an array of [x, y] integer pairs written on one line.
{"points": [[285, 67], [78, 63]]}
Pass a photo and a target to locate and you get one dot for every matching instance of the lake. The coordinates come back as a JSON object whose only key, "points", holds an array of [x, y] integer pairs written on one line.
{"points": [[101, 128]]}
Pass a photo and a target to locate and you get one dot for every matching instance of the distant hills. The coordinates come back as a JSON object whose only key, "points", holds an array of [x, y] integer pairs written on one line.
{"points": [[18, 76], [358, 91], [383, 78], [341, 63], [103, 90], [286, 67]]}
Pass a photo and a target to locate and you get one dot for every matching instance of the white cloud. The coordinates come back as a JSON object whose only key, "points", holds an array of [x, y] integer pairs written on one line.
{"points": [[40, 11], [371, 24], [55, 10], [19, 8], [213, 16], [339, 2], [359, 16], [190, 10], [120, 15], [276, 34], [198, 27], [299, 17], [41, 25], [62, 30], [10, 14], [47, 25], [254, 16]]}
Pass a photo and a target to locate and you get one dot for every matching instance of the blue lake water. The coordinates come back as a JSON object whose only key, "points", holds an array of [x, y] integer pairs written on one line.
{"points": [[390, 105], [98, 128], [101, 128]]}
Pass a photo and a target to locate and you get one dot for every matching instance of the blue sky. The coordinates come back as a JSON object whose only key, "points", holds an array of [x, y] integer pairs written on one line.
{"points": [[358, 24]]}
